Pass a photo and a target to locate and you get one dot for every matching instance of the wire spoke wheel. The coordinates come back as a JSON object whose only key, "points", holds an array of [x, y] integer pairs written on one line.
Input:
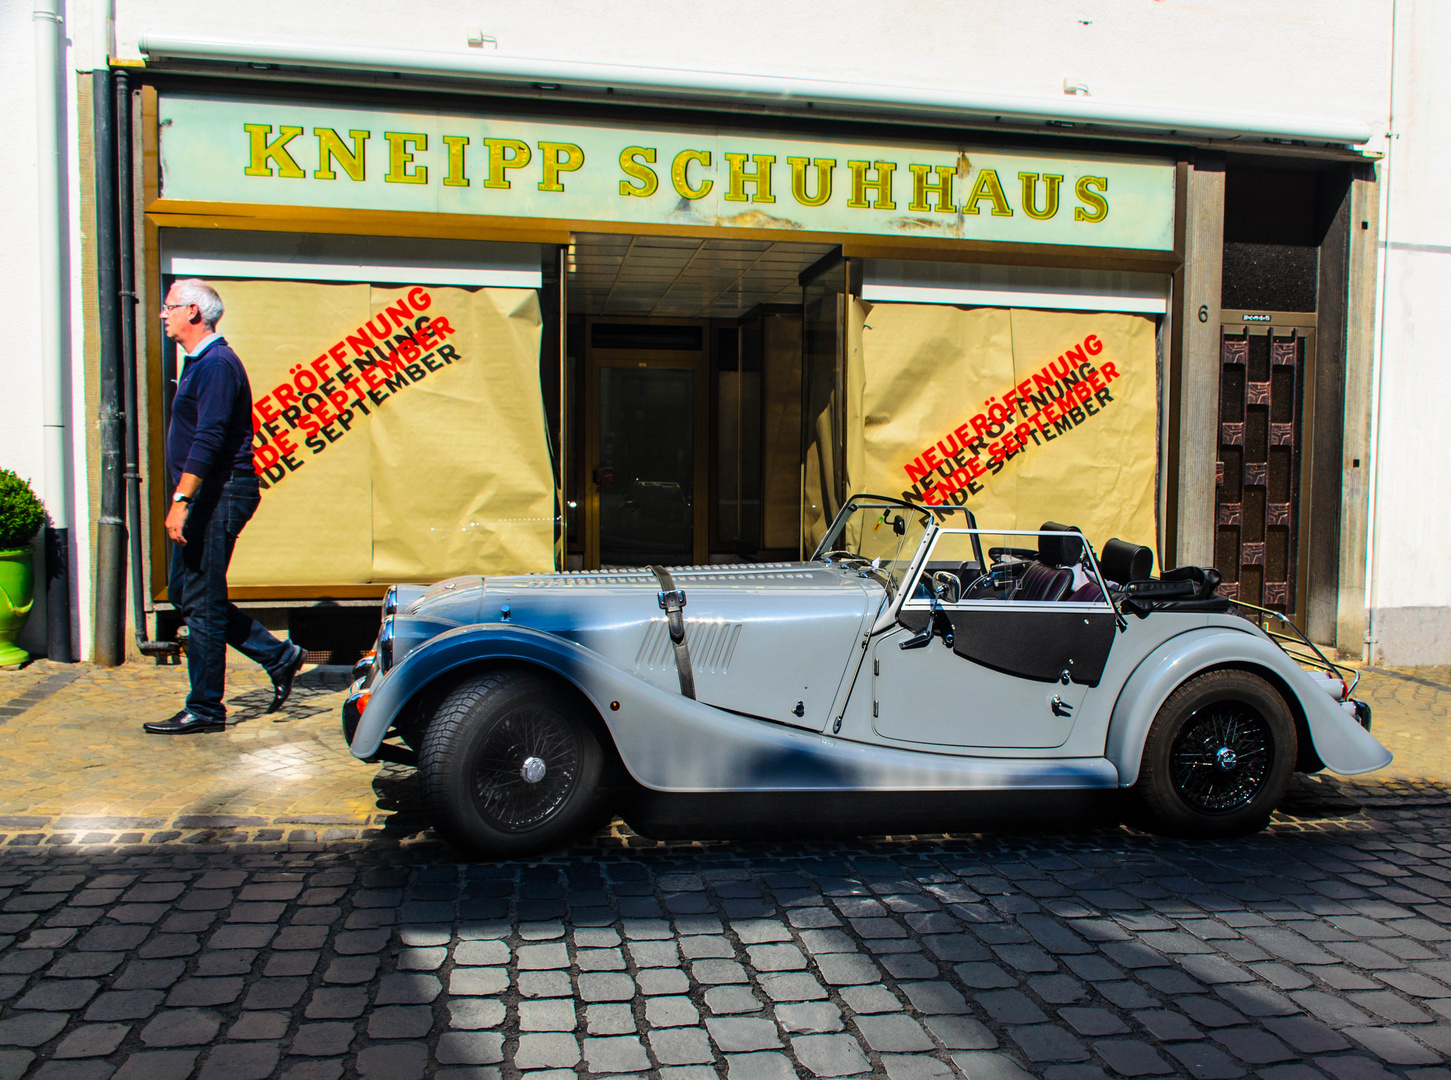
{"points": [[525, 768], [511, 765], [1221, 758], [1217, 756]]}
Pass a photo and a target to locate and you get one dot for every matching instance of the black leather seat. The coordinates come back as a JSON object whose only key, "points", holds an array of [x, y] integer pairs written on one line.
{"points": [[1050, 577]]}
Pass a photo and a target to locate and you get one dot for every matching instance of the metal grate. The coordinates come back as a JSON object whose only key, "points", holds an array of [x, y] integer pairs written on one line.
{"points": [[1257, 495]]}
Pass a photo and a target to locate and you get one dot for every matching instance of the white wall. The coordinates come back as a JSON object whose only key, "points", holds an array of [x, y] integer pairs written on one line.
{"points": [[1322, 58], [1410, 576], [21, 443]]}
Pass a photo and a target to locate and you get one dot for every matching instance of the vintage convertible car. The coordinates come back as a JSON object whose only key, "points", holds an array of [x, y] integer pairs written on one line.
{"points": [[913, 653]]}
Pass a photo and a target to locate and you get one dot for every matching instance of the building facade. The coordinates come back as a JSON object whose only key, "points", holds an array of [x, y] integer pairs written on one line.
{"points": [[568, 292]]}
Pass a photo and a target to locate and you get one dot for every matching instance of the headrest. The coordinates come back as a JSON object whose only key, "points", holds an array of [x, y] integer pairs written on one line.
{"points": [[1123, 562], [1063, 549]]}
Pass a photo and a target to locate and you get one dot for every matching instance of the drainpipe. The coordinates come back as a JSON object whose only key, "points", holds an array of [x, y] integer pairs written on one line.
{"points": [[126, 240], [50, 69], [109, 649]]}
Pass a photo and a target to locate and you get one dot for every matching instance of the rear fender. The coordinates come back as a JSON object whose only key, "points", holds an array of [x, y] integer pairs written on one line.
{"points": [[1340, 742]]}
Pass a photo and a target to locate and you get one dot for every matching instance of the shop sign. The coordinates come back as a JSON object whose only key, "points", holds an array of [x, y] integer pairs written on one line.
{"points": [[227, 150]]}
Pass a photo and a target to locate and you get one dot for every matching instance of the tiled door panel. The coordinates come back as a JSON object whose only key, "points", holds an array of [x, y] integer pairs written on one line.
{"points": [[1261, 388]]}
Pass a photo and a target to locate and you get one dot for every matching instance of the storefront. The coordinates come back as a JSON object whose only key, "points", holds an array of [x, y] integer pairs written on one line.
{"points": [[495, 337]]}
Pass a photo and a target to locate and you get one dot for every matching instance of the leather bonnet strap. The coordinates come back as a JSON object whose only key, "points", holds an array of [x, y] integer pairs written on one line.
{"points": [[672, 600]]}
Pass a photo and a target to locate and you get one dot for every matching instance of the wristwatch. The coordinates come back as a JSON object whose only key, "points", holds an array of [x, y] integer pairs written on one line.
{"points": [[180, 498]]}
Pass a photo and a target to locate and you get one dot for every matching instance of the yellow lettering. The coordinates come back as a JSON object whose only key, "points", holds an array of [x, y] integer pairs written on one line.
{"points": [[759, 176], [505, 154], [400, 157], [987, 186], [881, 186], [1095, 206], [941, 187], [457, 166], [633, 164], [330, 148], [266, 151], [1030, 195], [824, 168], [559, 157], [680, 176]]}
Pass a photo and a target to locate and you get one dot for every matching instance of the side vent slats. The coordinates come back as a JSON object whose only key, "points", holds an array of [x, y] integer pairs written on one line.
{"points": [[712, 645]]}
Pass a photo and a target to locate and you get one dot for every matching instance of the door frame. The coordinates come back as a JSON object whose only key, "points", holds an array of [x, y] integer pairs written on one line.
{"points": [[696, 362]]}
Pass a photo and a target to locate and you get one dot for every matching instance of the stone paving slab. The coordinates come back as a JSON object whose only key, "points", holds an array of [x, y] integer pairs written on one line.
{"points": [[1318, 949], [258, 904], [79, 758]]}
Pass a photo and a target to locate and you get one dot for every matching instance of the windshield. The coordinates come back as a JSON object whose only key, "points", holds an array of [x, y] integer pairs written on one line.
{"points": [[878, 533]]}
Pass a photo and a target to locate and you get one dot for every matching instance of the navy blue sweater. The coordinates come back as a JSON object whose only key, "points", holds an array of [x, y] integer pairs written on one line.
{"points": [[211, 416]]}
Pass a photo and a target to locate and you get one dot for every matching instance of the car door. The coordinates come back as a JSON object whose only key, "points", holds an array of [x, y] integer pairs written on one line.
{"points": [[1004, 669]]}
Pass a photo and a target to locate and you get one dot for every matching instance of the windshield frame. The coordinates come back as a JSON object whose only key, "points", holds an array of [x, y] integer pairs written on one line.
{"points": [[893, 582]]}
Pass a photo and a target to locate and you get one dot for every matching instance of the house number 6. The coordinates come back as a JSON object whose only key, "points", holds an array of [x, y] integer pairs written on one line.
{"points": [[1203, 312]]}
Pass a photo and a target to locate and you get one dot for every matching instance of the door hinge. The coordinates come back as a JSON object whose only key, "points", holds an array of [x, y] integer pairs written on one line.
{"points": [[874, 709], [876, 667]]}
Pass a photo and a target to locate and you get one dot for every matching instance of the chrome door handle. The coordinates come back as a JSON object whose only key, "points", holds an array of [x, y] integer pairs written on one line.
{"points": [[1060, 707]]}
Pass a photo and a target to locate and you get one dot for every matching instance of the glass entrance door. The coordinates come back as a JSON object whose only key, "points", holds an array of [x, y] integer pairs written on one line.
{"points": [[646, 460]]}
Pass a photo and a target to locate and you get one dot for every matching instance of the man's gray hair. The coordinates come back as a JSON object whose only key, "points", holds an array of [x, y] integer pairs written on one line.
{"points": [[198, 292]]}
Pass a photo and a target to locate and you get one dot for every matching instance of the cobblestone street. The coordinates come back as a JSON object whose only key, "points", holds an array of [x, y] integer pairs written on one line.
{"points": [[257, 904]]}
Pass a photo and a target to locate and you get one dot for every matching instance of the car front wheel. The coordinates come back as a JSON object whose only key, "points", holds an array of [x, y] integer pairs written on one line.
{"points": [[1218, 756], [509, 765]]}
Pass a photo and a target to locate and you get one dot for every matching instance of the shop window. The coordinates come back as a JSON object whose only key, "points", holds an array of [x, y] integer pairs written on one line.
{"points": [[662, 336], [400, 432]]}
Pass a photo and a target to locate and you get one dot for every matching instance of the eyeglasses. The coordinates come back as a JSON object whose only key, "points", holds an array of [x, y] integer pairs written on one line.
{"points": [[169, 307]]}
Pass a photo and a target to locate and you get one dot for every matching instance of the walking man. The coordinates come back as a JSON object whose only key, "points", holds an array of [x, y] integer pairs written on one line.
{"points": [[209, 459]]}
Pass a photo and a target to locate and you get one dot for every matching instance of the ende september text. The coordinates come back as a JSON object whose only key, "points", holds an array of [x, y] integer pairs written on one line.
{"points": [[398, 346]]}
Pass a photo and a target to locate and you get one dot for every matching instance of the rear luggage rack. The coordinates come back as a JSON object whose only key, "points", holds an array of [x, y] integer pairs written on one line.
{"points": [[1295, 643]]}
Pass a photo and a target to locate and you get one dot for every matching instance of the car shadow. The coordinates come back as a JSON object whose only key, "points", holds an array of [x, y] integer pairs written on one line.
{"points": [[671, 818]]}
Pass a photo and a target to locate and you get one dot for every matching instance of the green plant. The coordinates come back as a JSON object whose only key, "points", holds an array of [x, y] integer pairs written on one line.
{"points": [[21, 512]]}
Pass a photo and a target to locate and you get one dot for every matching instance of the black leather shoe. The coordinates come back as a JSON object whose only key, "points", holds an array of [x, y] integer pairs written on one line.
{"points": [[184, 723], [282, 681]]}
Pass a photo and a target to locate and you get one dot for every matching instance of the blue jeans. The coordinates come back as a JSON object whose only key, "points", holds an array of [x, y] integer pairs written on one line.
{"points": [[198, 587]]}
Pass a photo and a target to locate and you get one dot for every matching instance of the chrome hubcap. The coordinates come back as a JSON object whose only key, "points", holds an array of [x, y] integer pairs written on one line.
{"points": [[533, 769], [1226, 758]]}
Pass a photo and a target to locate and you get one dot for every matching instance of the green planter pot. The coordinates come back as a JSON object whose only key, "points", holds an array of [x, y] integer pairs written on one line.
{"points": [[17, 593]]}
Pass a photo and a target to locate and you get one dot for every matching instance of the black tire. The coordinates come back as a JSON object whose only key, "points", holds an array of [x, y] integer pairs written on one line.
{"points": [[473, 759], [1218, 756]]}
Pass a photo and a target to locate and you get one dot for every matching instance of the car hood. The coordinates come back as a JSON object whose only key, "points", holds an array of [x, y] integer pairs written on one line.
{"points": [[766, 639]]}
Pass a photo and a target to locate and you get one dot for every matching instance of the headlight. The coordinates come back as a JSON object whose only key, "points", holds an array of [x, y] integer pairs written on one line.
{"points": [[385, 644]]}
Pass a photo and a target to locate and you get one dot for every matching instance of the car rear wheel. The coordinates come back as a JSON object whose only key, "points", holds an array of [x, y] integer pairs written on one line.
{"points": [[1218, 756], [510, 766]]}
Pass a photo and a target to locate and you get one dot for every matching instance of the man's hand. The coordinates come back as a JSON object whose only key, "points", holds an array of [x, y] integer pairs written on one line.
{"points": [[176, 521], [188, 485]]}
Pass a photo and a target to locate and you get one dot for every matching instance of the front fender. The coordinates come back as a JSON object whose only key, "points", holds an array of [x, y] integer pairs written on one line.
{"points": [[1341, 743], [459, 648]]}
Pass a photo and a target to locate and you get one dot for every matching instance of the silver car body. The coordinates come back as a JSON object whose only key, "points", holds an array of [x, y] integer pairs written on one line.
{"points": [[802, 683]]}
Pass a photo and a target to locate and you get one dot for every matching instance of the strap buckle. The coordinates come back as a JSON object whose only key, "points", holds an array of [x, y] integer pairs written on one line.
{"points": [[672, 599]]}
